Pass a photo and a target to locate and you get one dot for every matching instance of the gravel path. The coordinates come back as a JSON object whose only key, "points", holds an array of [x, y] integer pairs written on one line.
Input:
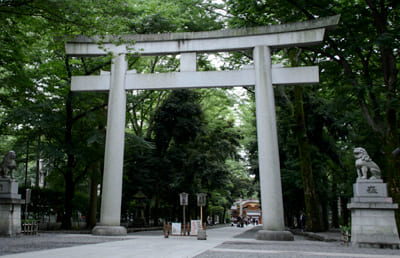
{"points": [[42, 241]]}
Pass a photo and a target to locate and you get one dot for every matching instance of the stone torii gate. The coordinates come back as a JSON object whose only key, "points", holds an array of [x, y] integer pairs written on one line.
{"points": [[187, 44]]}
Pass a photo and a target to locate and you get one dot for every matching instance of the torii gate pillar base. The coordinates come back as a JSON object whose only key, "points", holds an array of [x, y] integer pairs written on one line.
{"points": [[109, 231], [274, 235]]}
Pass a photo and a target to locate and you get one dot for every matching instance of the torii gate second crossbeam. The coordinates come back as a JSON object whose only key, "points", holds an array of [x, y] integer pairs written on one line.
{"points": [[262, 75]]}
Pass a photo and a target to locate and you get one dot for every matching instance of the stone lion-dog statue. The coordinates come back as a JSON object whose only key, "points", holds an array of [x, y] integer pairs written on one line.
{"points": [[364, 164], [8, 165]]}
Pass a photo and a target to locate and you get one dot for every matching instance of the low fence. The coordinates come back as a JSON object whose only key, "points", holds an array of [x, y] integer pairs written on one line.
{"points": [[29, 227]]}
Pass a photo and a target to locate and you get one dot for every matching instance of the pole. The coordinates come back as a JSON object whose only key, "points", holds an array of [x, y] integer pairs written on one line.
{"points": [[26, 163], [184, 222], [38, 161], [26, 208], [201, 217]]}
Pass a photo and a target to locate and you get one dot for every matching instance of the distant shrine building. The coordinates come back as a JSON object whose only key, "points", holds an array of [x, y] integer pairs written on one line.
{"points": [[250, 209]]}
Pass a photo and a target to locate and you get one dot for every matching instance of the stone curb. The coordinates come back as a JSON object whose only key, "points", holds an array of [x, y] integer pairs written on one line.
{"points": [[317, 236]]}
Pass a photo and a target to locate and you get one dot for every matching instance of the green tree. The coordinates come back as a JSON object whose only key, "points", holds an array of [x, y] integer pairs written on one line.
{"points": [[36, 83], [358, 70]]}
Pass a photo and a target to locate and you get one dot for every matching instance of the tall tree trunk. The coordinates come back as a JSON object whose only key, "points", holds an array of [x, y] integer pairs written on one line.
{"points": [[38, 161], [68, 174], [345, 214], [68, 197], [26, 163], [156, 208], [395, 188], [313, 209], [334, 206], [392, 174], [69, 146]]}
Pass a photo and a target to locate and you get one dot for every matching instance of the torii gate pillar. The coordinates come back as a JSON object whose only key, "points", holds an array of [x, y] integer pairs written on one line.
{"points": [[268, 151], [110, 214]]}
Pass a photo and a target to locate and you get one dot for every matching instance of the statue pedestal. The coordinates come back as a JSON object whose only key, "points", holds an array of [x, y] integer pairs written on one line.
{"points": [[373, 222], [102, 230], [10, 208]]}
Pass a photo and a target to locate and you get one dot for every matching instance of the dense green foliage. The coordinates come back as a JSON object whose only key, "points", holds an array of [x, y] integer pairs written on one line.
{"points": [[356, 103], [194, 141]]}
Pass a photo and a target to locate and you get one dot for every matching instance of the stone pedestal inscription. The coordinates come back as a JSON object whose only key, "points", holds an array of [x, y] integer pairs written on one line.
{"points": [[372, 215], [10, 208]]}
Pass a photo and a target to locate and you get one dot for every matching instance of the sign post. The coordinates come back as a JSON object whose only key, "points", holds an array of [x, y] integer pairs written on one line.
{"points": [[27, 201], [201, 201], [184, 201]]}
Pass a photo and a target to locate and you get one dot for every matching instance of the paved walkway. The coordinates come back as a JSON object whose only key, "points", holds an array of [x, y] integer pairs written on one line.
{"points": [[139, 244], [221, 242]]}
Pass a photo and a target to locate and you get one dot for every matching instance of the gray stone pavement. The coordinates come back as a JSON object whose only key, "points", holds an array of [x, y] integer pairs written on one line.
{"points": [[221, 242]]}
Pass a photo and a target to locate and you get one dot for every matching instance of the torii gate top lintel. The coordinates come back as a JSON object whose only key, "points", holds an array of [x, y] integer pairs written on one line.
{"points": [[279, 35]]}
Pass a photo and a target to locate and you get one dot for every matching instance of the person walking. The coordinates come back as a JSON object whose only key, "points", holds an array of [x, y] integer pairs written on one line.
{"points": [[302, 220]]}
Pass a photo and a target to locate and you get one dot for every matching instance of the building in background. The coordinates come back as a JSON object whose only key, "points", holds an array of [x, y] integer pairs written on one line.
{"points": [[246, 212]]}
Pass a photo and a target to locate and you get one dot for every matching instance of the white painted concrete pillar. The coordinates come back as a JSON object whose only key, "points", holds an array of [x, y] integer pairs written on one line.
{"points": [[268, 152], [114, 154]]}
